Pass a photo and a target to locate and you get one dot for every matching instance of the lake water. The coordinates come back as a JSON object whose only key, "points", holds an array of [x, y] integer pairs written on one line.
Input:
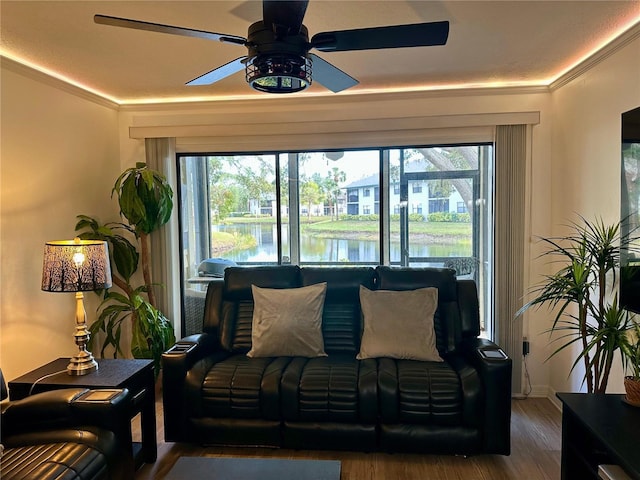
{"points": [[315, 249]]}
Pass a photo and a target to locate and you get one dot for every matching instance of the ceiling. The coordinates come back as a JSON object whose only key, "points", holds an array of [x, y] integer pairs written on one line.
{"points": [[491, 44]]}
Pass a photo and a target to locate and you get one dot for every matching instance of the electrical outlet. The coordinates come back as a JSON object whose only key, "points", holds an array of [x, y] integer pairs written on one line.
{"points": [[525, 347]]}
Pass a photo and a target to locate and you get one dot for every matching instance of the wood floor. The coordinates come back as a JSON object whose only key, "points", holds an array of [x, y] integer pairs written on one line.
{"points": [[535, 454]]}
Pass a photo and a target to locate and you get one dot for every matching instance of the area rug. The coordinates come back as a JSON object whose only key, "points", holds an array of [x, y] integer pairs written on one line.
{"points": [[236, 468]]}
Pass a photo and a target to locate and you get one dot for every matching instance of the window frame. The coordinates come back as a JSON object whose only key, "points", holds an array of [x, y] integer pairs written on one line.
{"points": [[383, 189]]}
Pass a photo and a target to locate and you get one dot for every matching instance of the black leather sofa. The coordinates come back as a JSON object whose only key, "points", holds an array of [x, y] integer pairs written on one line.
{"points": [[68, 434], [214, 393]]}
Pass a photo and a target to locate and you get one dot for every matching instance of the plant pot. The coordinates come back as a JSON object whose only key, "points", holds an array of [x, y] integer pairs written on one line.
{"points": [[632, 388]]}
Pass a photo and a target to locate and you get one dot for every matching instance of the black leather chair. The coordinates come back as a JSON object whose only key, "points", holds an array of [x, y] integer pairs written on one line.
{"points": [[69, 434]]}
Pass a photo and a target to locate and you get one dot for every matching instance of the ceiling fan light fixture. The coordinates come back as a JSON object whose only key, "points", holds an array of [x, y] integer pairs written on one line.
{"points": [[279, 73]]}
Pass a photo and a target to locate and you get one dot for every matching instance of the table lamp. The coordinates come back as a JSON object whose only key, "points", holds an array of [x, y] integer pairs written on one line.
{"points": [[77, 266]]}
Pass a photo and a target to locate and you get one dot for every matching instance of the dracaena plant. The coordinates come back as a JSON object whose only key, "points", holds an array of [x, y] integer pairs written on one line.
{"points": [[145, 201], [583, 298]]}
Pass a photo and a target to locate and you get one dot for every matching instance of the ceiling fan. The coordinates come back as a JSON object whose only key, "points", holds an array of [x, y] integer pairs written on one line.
{"points": [[278, 58]]}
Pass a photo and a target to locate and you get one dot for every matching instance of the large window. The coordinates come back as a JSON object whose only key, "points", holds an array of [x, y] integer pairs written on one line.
{"points": [[330, 208]]}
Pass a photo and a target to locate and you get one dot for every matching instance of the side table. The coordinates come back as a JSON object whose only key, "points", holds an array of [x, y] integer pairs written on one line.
{"points": [[135, 375], [598, 429]]}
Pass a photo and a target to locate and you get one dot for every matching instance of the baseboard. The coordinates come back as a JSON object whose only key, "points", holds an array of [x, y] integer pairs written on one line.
{"points": [[537, 391], [554, 399]]}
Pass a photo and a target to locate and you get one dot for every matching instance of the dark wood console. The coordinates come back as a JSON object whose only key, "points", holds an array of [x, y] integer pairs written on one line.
{"points": [[598, 429]]}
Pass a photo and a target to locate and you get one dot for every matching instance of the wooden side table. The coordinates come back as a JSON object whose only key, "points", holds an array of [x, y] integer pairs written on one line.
{"points": [[135, 375], [598, 429]]}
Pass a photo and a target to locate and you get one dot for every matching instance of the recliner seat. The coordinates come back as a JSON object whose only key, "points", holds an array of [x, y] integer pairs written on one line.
{"points": [[63, 435]]}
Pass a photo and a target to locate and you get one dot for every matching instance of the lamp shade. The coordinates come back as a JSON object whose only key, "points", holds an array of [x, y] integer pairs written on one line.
{"points": [[76, 266]]}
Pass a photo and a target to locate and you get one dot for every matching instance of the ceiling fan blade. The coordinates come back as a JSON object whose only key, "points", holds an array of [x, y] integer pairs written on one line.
{"points": [[247, 10], [395, 36], [219, 73], [160, 28], [330, 76], [284, 15]]}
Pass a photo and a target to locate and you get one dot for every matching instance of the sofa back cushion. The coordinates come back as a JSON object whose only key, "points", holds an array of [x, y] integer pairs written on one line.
{"points": [[341, 322], [237, 300], [342, 317], [446, 318]]}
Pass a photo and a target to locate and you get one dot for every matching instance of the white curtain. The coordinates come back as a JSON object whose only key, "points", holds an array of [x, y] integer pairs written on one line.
{"points": [[165, 251], [509, 221]]}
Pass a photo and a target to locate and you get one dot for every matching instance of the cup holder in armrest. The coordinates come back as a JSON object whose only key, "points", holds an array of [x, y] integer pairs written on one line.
{"points": [[181, 348], [492, 353]]}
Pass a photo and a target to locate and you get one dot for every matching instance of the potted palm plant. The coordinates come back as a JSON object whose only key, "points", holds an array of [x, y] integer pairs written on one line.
{"points": [[631, 361], [582, 293], [145, 200]]}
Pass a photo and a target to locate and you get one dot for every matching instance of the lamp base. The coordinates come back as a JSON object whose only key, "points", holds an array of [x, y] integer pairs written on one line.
{"points": [[82, 365], [83, 362]]}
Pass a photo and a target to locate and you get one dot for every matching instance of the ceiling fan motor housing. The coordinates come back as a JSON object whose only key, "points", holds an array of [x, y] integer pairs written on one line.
{"points": [[277, 60]]}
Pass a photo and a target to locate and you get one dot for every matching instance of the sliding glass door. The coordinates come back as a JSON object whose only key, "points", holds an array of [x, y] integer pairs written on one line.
{"points": [[417, 206]]}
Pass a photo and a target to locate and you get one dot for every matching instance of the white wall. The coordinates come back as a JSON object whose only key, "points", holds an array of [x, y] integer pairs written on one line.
{"points": [[586, 160], [59, 158]]}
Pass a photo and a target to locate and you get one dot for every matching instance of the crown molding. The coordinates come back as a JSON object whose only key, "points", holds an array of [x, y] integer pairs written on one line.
{"points": [[45, 78], [590, 62]]}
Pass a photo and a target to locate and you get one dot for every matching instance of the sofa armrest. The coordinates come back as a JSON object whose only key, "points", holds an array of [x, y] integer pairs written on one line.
{"points": [[69, 408], [106, 408], [40, 411], [494, 368], [176, 363], [472, 390]]}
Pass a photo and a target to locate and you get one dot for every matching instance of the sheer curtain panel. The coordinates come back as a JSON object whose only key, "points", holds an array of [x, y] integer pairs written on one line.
{"points": [[510, 171], [165, 265]]}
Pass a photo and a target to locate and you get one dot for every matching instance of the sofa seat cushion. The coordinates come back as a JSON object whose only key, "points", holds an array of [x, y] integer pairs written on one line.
{"points": [[337, 388], [243, 387], [63, 455], [415, 392]]}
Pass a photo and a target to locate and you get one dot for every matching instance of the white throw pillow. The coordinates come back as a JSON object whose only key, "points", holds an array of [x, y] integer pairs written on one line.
{"points": [[399, 324], [287, 322]]}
